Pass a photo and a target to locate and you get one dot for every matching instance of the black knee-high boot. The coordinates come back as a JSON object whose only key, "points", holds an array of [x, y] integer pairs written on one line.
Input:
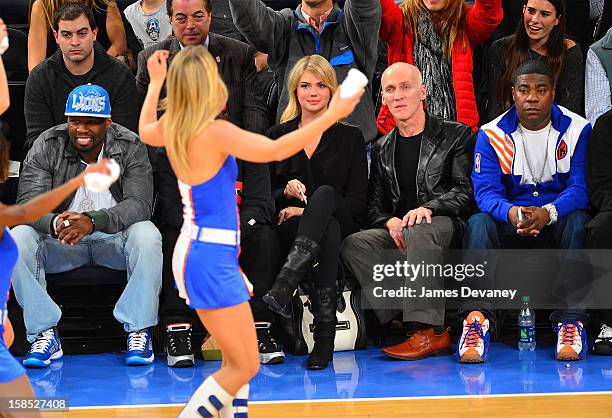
{"points": [[301, 258], [324, 303]]}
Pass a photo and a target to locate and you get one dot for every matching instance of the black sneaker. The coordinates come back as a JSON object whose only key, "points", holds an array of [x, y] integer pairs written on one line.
{"points": [[603, 342], [269, 351], [178, 345]]}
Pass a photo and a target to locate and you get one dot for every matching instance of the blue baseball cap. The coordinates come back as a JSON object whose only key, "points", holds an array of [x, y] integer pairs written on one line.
{"points": [[88, 100]]}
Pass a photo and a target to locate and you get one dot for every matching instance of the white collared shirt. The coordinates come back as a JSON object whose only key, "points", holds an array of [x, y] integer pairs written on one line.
{"points": [[205, 43]]}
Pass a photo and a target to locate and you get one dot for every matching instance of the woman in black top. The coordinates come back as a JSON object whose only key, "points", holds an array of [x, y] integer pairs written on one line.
{"points": [[320, 197], [539, 35]]}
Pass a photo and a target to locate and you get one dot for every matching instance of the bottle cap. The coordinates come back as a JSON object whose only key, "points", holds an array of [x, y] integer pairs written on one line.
{"points": [[525, 298]]}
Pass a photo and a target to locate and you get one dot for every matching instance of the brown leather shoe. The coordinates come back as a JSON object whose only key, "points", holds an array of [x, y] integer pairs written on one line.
{"points": [[422, 343]]}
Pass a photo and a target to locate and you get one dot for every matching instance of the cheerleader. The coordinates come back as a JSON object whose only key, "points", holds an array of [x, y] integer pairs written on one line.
{"points": [[201, 150]]}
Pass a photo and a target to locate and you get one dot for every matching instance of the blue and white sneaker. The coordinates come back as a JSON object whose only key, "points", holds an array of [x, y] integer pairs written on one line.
{"points": [[47, 347], [140, 348], [474, 343], [571, 341]]}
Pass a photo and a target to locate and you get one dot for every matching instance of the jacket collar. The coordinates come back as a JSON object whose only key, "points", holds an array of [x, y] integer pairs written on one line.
{"points": [[431, 133], [429, 143], [214, 47], [560, 122], [332, 19], [174, 47], [606, 41]]}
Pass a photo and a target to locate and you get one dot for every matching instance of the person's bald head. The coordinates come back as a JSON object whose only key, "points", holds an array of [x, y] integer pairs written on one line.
{"points": [[403, 90], [402, 69]]}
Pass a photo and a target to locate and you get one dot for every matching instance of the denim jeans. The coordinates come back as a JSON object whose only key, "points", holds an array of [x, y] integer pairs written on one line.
{"points": [[483, 232], [137, 250]]}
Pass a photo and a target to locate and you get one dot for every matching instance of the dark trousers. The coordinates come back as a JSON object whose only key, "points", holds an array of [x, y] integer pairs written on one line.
{"points": [[361, 251], [483, 232], [326, 220], [599, 237], [258, 260], [259, 251]]}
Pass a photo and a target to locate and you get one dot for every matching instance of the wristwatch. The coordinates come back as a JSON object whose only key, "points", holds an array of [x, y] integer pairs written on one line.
{"points": [[93, 222], [552, 213]]}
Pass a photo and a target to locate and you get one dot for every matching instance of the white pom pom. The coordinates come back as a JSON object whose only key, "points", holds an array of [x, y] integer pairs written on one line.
{"points": [[354, 82], [98, 182], [4, 45]]}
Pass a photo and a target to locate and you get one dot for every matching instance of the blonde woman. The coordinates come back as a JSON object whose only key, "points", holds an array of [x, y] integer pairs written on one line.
{"points": [[201, 150], [331, 174], [41, 43]]}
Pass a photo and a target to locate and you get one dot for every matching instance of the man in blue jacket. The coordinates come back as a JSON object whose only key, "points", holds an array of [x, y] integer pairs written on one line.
{"points": [[530, 184]]}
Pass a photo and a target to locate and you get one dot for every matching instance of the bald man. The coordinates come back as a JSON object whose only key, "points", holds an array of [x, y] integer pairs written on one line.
{"points": [[420, 194]]}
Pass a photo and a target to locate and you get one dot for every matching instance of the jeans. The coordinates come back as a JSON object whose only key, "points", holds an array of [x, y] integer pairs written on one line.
{"points": [[483, 232], [137, 250]]}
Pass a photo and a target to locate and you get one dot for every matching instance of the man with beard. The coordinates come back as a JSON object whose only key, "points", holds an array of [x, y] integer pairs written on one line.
{"points": [[530, 184], [109, 228], [79, 60]]}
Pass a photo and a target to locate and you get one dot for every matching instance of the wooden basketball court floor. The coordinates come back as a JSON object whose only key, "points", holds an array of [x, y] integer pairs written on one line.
{"points": [[361, 384]]}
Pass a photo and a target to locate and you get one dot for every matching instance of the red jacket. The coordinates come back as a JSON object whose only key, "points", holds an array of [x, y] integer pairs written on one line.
{"points": [[481, 21]]}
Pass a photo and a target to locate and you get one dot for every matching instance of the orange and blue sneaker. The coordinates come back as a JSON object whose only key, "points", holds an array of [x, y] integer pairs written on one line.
{"points": [[571, 341], [474, 342]]}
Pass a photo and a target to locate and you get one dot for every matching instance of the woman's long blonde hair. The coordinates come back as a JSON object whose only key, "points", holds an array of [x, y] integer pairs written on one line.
{"points": [[195, 96], [449, 20], [317, 65], [51, 6]]}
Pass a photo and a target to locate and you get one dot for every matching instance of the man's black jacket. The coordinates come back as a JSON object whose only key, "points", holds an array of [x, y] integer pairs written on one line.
{"points": [[50, 83], [443, 174]]}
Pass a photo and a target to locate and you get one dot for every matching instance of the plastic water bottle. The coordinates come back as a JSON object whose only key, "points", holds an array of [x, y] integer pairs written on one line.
{"points": [[526, 324]]}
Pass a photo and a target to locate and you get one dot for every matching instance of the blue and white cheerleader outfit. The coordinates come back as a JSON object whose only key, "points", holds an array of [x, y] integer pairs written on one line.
{"points": [[205, 260]]}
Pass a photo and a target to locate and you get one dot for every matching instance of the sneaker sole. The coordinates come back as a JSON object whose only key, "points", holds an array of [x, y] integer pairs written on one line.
{"points": [[569, 358], [471, 359], [139, 361], [34, 363], [438, 353], [187, 360], [271, 358]]}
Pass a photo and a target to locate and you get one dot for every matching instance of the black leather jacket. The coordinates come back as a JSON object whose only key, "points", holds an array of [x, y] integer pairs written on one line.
{"points": [[443, 175]]}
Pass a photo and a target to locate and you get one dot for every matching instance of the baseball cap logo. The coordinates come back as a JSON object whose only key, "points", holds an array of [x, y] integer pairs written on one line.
{"points": [[88, 100], [92, 101]]}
